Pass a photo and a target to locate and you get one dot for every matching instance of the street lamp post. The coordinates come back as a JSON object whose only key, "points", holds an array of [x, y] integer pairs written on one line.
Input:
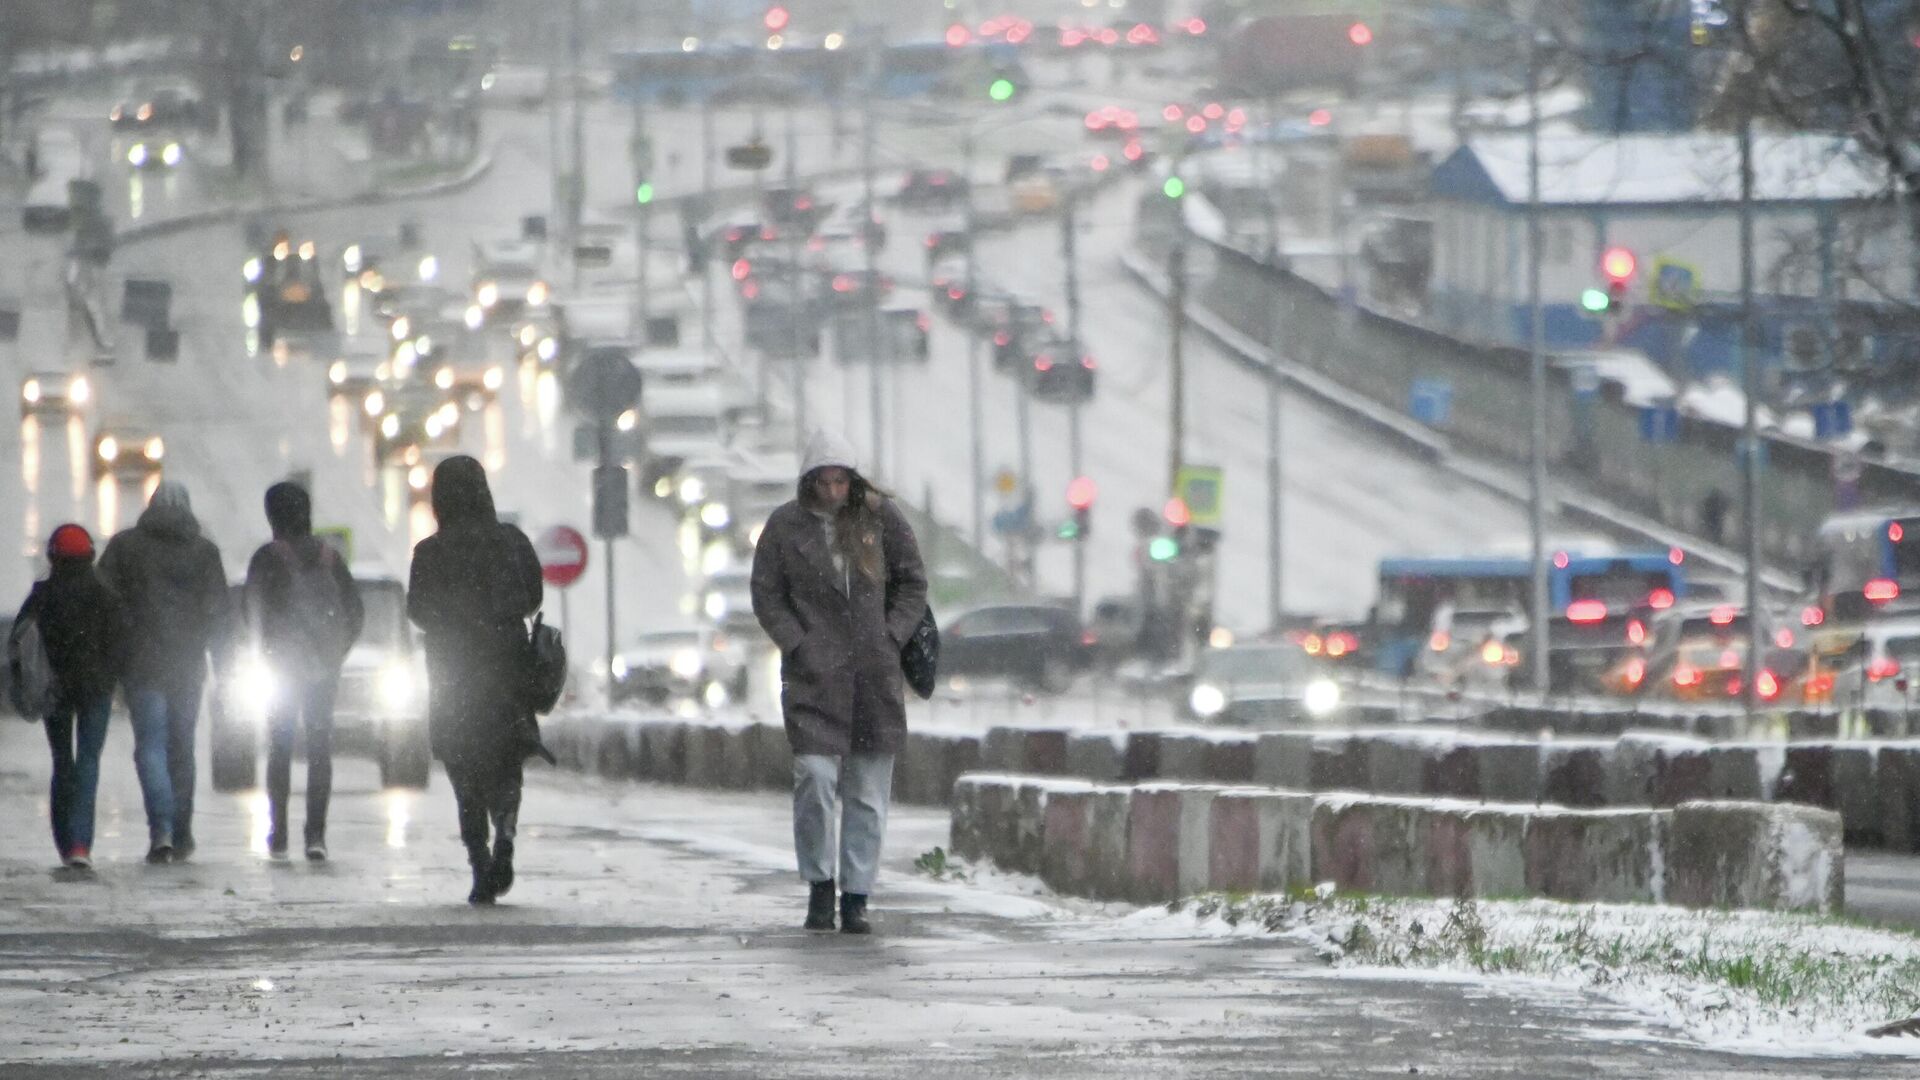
{"points": [[1537, 368]]}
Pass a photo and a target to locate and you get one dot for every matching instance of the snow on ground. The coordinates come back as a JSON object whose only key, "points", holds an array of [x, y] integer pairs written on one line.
{"points": [[1744, 982]]}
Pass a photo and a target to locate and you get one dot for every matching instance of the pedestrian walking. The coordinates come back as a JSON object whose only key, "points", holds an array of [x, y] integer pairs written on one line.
{"points": [[175, 589], [839, 587], [82, 627], [305, 612], [473, 585]]}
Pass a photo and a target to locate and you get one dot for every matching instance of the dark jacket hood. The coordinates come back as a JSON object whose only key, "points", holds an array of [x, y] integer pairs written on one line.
{"points": [[169, 514], [289, 511], [460, 493]]}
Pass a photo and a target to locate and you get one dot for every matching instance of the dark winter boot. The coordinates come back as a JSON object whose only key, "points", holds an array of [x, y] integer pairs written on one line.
{"points": [[853, 914], [820, 906], [482, 863], [500, 874]]}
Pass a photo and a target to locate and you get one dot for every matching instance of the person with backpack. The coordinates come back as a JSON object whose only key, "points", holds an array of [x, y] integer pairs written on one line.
{"points": [[473, 585], [65, 652], [305, 614], [175, 589], [839, 586]]}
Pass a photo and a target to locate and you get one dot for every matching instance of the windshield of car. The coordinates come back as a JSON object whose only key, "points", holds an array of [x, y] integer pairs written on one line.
{"points": [[1264, 662], [386, 607]]}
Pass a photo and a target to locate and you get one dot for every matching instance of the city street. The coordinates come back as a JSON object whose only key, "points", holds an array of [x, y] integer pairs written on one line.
{"points": [[656, 930]]}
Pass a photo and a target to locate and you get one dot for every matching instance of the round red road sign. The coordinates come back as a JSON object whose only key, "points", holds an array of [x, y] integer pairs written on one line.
{"points": [[563, 556]]}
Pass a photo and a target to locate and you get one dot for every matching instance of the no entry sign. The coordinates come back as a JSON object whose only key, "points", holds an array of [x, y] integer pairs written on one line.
{"points": [[563, 556]]}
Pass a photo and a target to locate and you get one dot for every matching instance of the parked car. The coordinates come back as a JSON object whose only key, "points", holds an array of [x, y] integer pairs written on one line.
{"points": [[933, 188], [1036, 646]]}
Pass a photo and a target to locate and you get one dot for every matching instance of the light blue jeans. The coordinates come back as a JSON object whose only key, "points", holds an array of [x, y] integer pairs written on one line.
{"points": [[848, 795], [163, 723]]}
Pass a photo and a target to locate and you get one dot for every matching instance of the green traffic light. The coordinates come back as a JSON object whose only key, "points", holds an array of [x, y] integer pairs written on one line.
{"points": [[1163, 548], [1068, 531], [1174, 187], [643, 194], [1594, 300], [1001, 89]]}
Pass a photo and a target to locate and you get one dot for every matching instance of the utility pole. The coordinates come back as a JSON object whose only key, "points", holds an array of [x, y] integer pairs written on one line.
{"points": [[1069, 227], [1537, 355], [577, 190], [706, 207], [1750, 433], [556, 198], [1176, 358], [642, 209], [973, 361], [873, 271]]}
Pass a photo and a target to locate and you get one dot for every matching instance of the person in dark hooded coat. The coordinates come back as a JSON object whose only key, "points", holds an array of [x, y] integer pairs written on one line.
{"points": [[839, 586], [473, 585], [83, 626], [306, 612], [175, 589]]}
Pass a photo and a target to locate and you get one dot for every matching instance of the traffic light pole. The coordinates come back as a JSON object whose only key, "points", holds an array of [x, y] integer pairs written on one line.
{"points": [[1537, 348], [1750, 434], [876, 456], [643, 198], [1176, 359], [1075, 449], [607, 460], [973, 362]]}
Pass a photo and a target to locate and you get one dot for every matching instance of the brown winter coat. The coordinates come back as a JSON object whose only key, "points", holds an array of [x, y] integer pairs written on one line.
{"points": [[841, 687]]}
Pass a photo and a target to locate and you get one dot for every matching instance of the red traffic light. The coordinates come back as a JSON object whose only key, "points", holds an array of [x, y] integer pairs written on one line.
{"points": [[1081, 491], [1176, 512], [1618, 264], [1360, 34], [776, 19]]}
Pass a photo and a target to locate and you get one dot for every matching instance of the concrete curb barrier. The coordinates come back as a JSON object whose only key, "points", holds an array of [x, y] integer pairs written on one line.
{"points": [[1616, 856], [1477, 851], [1757, 855], [1260, 841], [1168, 828], [1371, 845]]}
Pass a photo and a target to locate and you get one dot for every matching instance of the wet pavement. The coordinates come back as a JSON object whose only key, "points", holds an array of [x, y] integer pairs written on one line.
{"points": [[653, 931]]}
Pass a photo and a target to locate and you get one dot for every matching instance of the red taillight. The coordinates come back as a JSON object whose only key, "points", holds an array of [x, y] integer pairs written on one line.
{"points": [[1660, 599], [842, 283], [1636, 671], [1881, 590], [1043, 363], [1686, 675], [1783, 637], [1895, 531], [1342, 643], [1733, 686], [932, 239], [1676, 555], [1768, 684], [1636, 632], [734, 235], [1884, 668], [817, 244], [1812, 616], [1819, 685], [938, 180], [1002, 338], [1094, 121], [1087, 362], [741, 268], [955, 292], [925, 324], [749, 289], [1723, 615], [1440, 641], [1088, 637], [1586, 611]]}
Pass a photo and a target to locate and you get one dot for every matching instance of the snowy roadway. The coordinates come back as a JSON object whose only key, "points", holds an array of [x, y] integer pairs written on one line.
{"points": [[653, 932]]}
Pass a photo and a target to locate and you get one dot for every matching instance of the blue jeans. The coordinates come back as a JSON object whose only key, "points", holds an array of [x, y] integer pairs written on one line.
{"points": [[847, 796], [76, 769], [163, 722]]}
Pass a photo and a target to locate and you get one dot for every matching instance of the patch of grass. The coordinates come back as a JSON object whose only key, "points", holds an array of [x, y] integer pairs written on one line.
{"points": [[940, 866]]}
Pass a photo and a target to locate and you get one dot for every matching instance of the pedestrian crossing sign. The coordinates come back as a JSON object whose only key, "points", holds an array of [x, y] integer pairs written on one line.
{"points": [[1199, 487]]}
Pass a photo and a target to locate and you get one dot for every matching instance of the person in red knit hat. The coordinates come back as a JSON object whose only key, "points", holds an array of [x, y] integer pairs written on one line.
{"points": [[82, 626]]}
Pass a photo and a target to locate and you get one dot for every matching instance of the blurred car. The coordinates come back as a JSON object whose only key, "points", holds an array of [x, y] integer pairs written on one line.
{"points": [[1022, 328], [1114, 625], [417, 416], [380, 705], [54, 393], [702, 664], [364, 367], [1035, 646], [794, 209], [736, 231], [285, 292], [1061, 375], [412, 300], [1876, 667], [457, 366], [168, 106], [507, 281], [726, 600], [905, 334], [855, 288], [1472, 650], [933, 188], [160, 152], [1038, 192], [127, 451], [1708, 669], [1263, 681], [949, 278], [1113, 122], [947, 240]]}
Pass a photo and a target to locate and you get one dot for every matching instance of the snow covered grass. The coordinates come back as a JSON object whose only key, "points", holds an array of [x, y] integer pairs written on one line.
{"points": [[1741, 980]]}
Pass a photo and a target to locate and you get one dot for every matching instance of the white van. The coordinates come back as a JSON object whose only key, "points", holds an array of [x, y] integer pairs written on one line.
{"points": [[683, 422], [59, 158]]}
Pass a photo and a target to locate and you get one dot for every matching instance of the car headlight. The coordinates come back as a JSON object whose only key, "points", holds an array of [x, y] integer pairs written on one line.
{"points": [[619, 668], [1321, 697], [443, 378], [372, 280], [417, 476], [251, 269], [429, 268], [155, 449], [137, 155], [715, 695], [423, 345], [30, 393], [547, 349], [402, 329], [493, 379], [306, 250], [375, 404], [350, 259], [171, 154], [476, 317], [390, 426], [337, 372], [449, 414], [716, 606], [79, 391], [685, 663], [397, 685], [487, 295], [433, 428], [109, 448], [1207, 700], [715, 515], [255, 684], [626, 422], [692, 490], [537, 294]]}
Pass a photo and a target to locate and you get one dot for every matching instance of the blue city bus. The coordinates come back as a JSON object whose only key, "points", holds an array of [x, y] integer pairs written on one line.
{"points": [[1582, 591], [905, 69]]}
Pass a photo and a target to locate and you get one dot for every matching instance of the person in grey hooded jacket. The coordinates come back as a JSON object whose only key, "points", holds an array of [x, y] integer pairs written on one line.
{"points": [[175, 588], [839, 586]]}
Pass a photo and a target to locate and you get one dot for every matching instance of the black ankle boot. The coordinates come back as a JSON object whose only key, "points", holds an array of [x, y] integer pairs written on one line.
{"points": [[820, 906], [500, 874], [482, 864], [853, 914]]}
